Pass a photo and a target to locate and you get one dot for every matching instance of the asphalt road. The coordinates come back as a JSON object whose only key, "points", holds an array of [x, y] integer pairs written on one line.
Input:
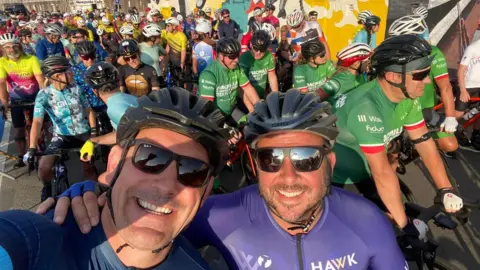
{"points": [[460, 247]]}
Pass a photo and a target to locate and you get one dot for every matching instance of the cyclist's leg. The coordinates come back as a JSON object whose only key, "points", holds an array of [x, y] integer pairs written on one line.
{"points": [[45, 165], [18, 122], [447, 142]]}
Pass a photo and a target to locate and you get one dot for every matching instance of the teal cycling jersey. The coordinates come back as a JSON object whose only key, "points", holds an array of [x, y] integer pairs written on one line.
{"points": [[66, 109], [117, 104]]}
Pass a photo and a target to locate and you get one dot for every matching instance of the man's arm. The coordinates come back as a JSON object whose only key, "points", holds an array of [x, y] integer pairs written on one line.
{"points": [[388, 186], [183, 56], [461, 82], [91, 117], [446, 93], [194, 64], [107, 139], [37, 124], [327, 48], [273, 81], [430, 157], [4, 96], [249, 93]]}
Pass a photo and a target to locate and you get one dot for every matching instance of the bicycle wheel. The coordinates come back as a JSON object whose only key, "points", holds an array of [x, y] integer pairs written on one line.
{"points": [[407, 195], [59, 185]]}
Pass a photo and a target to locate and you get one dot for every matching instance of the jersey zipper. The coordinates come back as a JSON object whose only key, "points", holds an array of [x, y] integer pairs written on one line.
{"points": [[298, 240]]}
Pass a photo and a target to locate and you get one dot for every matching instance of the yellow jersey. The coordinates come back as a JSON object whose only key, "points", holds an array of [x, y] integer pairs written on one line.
{"points": [[20, 76], [176, 41]]}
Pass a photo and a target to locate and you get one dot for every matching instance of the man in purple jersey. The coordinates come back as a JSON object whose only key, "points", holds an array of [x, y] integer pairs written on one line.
{"points": [[294, 218]]}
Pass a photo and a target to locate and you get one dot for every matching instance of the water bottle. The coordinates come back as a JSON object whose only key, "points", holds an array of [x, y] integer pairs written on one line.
{"points": [[471, 114]]}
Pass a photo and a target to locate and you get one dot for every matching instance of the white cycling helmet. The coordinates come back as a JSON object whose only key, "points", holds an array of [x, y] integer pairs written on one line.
{"points": [[135, 19], [258, 11], [408, 25], [22, 23], [151, 30], [203, 26], [52, 29], [8, 38], [362, 16], [126, 30], [95, 23], [421, 11], [105, 21], [172, 20], [208, 9], [128, 17], [102, 14], [270, 30], [100, 31], [66, 14], [179, 17], [353, 53], [153, 12], [295, 18], [80, 23]]}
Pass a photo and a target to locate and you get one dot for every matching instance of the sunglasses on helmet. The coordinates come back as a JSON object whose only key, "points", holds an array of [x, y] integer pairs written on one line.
{"points": [[153, 159], [303, 158], [420, 76]]}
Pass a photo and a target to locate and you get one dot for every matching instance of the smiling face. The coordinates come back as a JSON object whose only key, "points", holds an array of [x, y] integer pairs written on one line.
{"points": [[151, 209], [290, 194]]}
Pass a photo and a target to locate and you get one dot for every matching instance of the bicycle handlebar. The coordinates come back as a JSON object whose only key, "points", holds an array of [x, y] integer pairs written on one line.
{"points": [[57, 152]]}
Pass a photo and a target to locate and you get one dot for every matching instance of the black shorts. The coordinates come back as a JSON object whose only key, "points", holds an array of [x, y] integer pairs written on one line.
{"points": [[460, 105], [66, 142], [18, 116], [365, 188]]}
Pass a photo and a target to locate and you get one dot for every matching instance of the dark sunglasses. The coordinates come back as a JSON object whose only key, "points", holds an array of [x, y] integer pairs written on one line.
{"points": [[87, 57], [420, 76], [232, 56], [77, 36], [226, 16], [304, 158], [153, 159], [132, 57], [259, 49]]}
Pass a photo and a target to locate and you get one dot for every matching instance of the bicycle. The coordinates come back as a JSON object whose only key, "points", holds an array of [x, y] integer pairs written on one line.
{"points": [[60, 181], [45, 133], [423, 254]]}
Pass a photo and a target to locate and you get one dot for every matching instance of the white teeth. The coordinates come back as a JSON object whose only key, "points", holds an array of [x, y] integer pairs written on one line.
{"points": [[154, 208], [290, 194]]}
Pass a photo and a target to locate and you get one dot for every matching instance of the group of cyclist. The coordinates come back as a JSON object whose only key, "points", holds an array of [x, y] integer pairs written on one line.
{"points": [[336, 130]]}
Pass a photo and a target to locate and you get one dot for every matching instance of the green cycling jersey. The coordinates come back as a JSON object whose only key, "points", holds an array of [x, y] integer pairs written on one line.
{"points": [[306, 77], [438, 71], [220, 84], [341, 83], [257, 70], [368, 122]]}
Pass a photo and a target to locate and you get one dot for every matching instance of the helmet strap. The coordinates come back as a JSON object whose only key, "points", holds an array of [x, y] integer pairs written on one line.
{"points": [[402, 84]]}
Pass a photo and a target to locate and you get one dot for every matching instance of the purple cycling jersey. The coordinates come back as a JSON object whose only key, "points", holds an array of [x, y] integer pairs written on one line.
{"points": [[352, 233]]}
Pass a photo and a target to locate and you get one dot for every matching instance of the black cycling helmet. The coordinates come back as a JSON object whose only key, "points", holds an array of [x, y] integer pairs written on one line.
{"points": [[228, 46], [128, 47], [55, 64], [100, 74], [291, 110], [24, 33], [254, 26], [373, 20], [91, 15], [202, 13], [401, 54], [313, 13], [85, 47], [270, 7], [260, 40], [312, 48], [176, 109]]}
